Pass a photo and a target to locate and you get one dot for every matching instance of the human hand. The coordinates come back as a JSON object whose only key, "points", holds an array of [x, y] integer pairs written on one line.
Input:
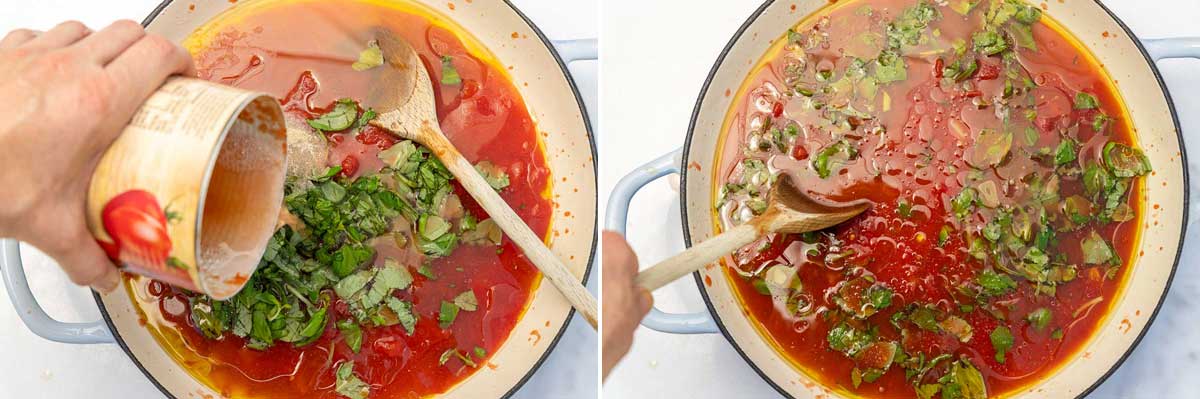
{"points": [[68, 93], [625, 303]]}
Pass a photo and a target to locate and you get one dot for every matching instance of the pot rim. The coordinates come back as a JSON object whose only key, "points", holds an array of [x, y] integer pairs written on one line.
{"points": [[591, 139], [687, 237]]}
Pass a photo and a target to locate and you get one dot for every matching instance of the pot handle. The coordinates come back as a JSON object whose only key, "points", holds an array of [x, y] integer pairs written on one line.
{"points": [[615, 219], [31, 312], [1178, 47], [576, 50]]}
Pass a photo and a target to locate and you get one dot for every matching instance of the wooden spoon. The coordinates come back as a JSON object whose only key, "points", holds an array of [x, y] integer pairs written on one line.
{"points": [[789, 210], [404, 94]]}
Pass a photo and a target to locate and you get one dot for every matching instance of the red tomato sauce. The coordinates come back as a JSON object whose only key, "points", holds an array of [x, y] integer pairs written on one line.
{"points": [[921, 160], [301, 53]]}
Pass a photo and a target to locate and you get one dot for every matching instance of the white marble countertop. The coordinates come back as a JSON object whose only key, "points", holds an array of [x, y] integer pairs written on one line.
{"points": [[35, 368], [656, 56]]}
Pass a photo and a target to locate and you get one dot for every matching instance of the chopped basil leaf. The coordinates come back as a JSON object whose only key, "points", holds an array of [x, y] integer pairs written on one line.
{"points": [[848, 340], [1095, 250], [1002, 340], [449, 74], [351, 333], [963, 381], [989, 42], [995, 284], [1039, 318], [494, 175], [344, 113], [447, 314], [369, 58], [1084, 100], [348, 384], [990, 148], [1065, 153], [466, 301], [1125, 161]]}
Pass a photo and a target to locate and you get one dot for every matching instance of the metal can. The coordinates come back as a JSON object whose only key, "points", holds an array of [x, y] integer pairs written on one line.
{"points": [[190, 192]]}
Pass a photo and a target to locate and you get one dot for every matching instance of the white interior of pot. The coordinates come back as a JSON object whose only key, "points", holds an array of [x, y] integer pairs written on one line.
{"points": [[1154, 256]]}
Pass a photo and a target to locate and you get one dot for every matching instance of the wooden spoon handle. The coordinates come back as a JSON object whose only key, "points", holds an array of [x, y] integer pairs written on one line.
{"points": [[512, 225], [697, 257]]}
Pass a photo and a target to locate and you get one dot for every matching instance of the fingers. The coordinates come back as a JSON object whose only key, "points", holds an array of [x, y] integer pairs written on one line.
{"points": [[60, 36], [17, 38], [142, 68], [85, 263], [108, 43]]}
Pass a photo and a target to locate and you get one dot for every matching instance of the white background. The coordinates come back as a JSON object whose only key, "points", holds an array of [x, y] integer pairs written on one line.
{"points": [[31, 367], [655, 58]]}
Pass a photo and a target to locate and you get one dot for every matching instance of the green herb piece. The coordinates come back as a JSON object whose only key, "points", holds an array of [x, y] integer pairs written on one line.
{"points": [[344, 113], [904, 209], [349, 258], [466, 301], [1002, 341], [908, 28], [351, 334], [480, 352], [1066, 152], [963, 7], [1022, 35], [1084, 100], [794, 37], [210, 317], [964, 202], [369, 58], [1095, 250], [447, 314], [991, 231], [925, 318], [943, 236], [432, 226], [449, 74], [1028, 14], [1057, 334], [1095, 180], [890, 67], [960, 70], [494, 175], [832, 156], [1039, 318], [963, 381], [989, 42], [1125, 161], [760, 286], [995, 284], [1100, 122], [848, 340], [427, 271], [1077, 209], [990, 148], [926, 391], [366, 290], [348, 384]]}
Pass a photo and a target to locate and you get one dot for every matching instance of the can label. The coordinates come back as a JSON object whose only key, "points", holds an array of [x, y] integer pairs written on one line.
{"points": [[195, 153]]}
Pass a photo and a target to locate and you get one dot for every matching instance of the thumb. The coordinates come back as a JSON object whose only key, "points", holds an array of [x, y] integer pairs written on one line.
{"points": [[85, 262], [644, 300]]}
